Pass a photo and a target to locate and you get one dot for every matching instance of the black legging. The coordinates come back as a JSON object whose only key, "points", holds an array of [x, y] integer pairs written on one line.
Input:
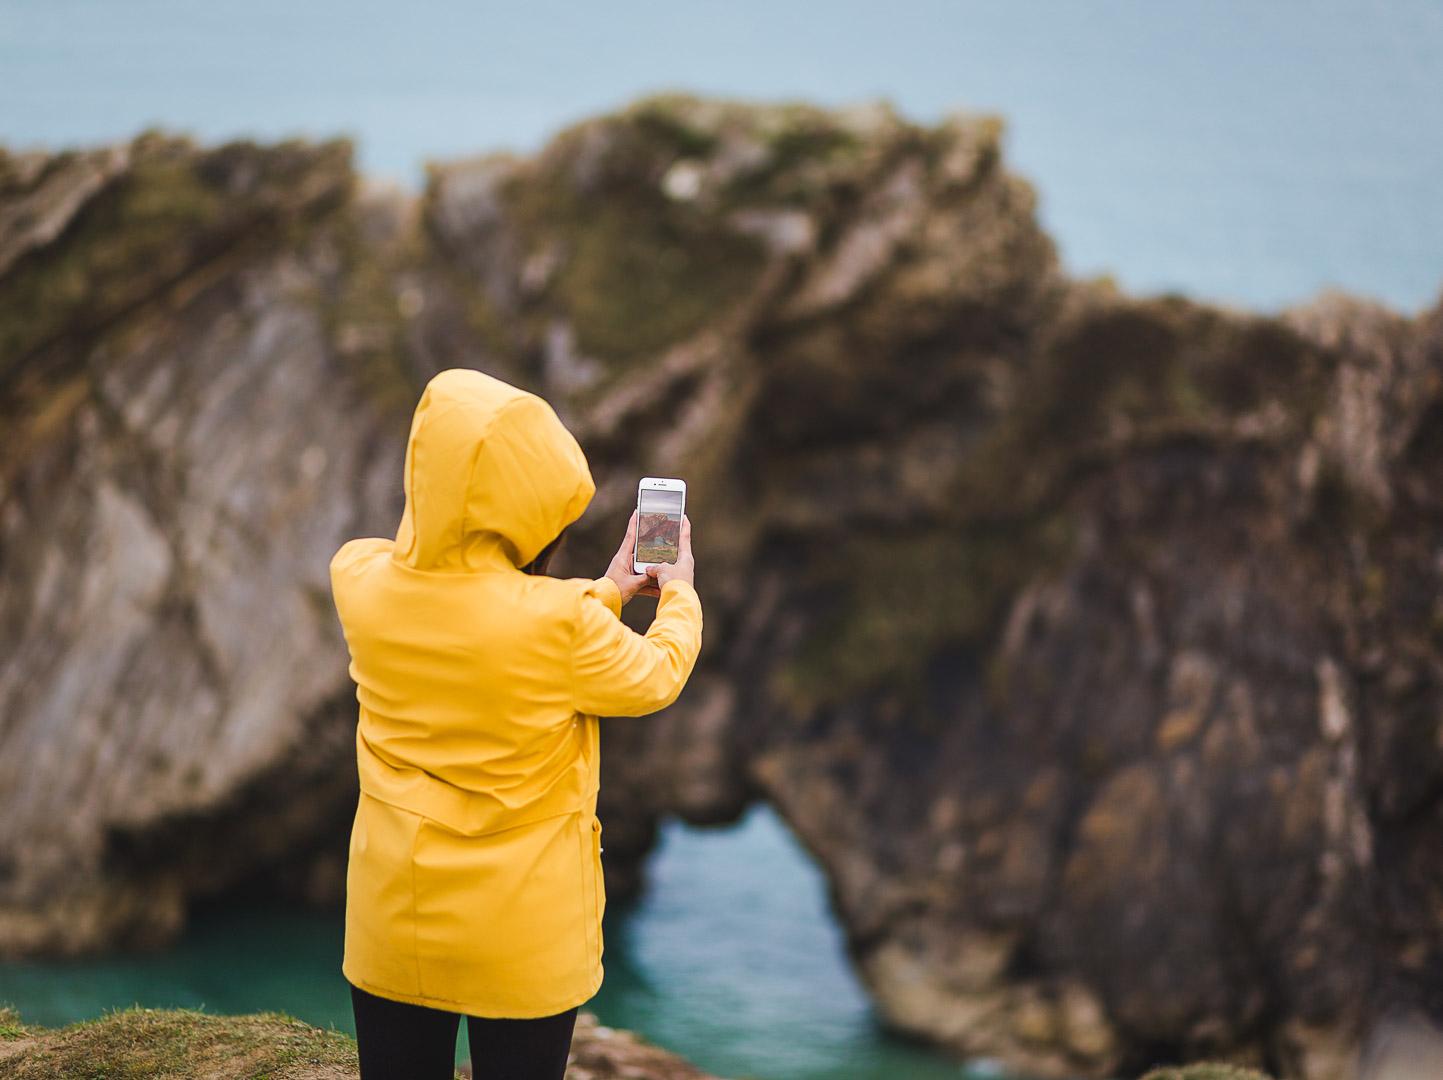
{"points": [[401, 1041]]}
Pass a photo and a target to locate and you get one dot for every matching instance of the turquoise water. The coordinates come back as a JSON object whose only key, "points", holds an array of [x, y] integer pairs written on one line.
{"points": [[730, 959], [1242, 151]]}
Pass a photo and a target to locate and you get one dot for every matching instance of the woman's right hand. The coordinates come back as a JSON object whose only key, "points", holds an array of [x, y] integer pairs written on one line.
{"points": [[684, 569]]}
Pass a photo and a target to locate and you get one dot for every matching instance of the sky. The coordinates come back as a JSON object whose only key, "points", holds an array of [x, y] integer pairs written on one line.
{"points": [[1248, 153]]}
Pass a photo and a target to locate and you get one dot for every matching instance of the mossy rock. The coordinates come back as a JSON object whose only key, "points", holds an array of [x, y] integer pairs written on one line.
{"points": [[897, 599], [641, 272], [640, 269], [175, 208]]}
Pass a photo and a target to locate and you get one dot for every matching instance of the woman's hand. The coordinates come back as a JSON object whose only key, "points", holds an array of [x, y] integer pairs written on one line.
{"points": [[620, 570], [684, 569]]}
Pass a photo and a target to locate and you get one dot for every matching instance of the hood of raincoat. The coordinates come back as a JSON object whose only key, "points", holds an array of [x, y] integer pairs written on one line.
{"points": [[491, 476]]}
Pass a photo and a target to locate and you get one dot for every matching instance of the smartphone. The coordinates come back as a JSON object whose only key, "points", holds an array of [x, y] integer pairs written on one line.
{"points": [[660, 503]]}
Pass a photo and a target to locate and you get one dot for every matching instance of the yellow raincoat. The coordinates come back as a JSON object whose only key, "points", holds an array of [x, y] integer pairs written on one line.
{"points": [[474, 882]]}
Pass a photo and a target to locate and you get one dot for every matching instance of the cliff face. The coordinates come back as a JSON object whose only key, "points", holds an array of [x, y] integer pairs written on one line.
{"points": [[184, 441], [1090, 643]]}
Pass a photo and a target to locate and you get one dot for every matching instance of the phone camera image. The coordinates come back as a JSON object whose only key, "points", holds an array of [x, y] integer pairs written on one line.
{"points": [[658, 526]]}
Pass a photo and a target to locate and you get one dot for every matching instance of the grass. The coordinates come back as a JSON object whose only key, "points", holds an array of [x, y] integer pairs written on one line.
{"points": [[1205, 1071], [175, 1043]]}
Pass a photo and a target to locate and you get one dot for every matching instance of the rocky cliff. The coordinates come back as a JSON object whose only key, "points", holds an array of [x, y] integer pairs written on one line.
{"points": [[1091, 643]]}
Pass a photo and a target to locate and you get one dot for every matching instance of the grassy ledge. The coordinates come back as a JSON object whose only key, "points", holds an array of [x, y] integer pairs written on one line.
{"points": [[139, 1042], [1206, 1071]]}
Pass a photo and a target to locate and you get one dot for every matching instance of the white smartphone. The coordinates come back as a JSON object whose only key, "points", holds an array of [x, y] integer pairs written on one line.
{"points": [[660, 503]]}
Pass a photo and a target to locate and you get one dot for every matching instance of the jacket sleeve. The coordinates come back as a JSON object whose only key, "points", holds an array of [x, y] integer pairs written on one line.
{"points": [[617, 672]]}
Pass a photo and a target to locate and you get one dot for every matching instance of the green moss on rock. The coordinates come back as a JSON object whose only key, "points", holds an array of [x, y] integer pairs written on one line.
{"points": [[365, 317], [664, 119], [139, 231], [643, 275], [1114, 378], [174, 208], [902, 598], [640, 271]]}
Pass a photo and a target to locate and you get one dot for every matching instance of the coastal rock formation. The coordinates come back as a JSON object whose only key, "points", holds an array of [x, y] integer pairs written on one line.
{"points": [[1091, 643]]}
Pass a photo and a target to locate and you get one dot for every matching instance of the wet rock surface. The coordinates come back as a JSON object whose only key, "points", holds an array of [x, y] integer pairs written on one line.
{"points": [[1091, 643]]}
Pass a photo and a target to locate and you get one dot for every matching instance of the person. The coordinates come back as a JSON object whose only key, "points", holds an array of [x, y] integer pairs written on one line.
{"points": [[474, 883]]}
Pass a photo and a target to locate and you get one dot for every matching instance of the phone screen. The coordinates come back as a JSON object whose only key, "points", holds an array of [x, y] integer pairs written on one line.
{"points": [[658, 526]]}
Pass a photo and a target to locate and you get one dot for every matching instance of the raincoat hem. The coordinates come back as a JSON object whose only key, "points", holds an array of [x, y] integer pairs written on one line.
{"points": [[471, 1008]]}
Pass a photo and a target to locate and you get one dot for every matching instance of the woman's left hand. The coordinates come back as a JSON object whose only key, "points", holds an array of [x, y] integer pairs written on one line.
{"points": [[620, 570]]}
